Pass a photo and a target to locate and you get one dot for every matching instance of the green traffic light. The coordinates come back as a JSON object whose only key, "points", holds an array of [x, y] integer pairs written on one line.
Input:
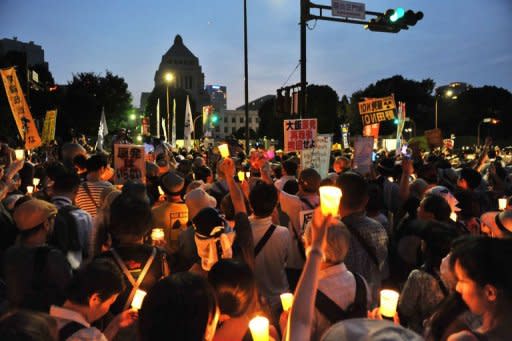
{"points": [[398, 13], [215, 118], [395, 121]]}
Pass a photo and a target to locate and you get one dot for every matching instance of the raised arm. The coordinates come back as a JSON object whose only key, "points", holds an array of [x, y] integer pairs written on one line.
{"points": [[237, 196]]}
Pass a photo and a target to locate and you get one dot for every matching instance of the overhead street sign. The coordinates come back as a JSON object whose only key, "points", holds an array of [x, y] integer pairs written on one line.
{"points": [[348, 9], [376, 110]]}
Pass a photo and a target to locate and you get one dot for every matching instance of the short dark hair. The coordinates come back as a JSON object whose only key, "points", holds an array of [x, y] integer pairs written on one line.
{"points": [[66, 182], [354, 188], [290, 167], [438, 206], [180, 305], [472, 177], [263, 199], [309, 180], [226, 207], [96, 162], [101, 276], [130, 215], [202, 173]]}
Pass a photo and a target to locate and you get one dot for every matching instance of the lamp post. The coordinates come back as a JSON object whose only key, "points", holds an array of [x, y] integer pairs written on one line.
{"points": [[490, 120], [194, 125], [246, 83], [448, 94], [168, 77]]}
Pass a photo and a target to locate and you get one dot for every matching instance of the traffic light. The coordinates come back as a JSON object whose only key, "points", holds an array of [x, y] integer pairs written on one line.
{"points": [[394, 20], [214, 120]]}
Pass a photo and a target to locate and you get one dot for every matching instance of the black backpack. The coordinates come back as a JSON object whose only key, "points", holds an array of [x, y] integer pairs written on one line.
{"points": [[65, 232]]}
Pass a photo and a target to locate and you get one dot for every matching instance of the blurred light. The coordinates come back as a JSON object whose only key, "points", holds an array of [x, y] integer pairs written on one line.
{"points": [[139, 138], [133, 117], [449, 93], [168, 77], [397, 14]]}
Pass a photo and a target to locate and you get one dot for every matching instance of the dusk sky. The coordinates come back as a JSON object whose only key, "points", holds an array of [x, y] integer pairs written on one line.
{"points": [[457, 40]]}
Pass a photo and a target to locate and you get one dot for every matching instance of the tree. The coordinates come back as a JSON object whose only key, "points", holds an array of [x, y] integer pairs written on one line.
{"points": [[240, 134], [86, 96]]}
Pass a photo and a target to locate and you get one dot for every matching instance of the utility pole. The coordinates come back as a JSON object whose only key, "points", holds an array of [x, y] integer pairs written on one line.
{"points": [[304, 11], [246, 79]]}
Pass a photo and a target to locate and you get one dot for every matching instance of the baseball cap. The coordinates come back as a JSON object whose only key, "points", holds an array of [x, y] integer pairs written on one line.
{"points": [[447, 195], [172, 183], [32, 213], [369, 330], [208, 223], [498, 220]]}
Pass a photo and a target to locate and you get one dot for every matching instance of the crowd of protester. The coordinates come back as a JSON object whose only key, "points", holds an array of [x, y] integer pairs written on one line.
{"points": [[214, 242]]}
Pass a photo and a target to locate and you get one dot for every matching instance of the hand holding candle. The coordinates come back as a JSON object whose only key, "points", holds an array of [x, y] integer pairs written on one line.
{"points": [[502, 204], [157, 235], [138, 298], [30, 189], [388, 302], [20, 154], [241, 176], [36, 182], [330, 197], [259, 328]]}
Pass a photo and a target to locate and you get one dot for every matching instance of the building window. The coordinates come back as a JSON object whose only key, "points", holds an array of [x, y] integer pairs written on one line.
{"points": [[217, 129], [241, 120], [233, 120], [225, 120], [226, 130]]}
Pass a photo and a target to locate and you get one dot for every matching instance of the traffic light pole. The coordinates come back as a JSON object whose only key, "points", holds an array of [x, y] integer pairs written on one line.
{"points": [[304, 11], [246, 83]]}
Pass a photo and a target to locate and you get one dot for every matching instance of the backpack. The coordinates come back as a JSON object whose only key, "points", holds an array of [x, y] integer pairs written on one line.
{"points": [[65, 232]]}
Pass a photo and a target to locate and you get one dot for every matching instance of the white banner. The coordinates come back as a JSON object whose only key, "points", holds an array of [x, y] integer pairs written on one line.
{"points": [[319, 156]]}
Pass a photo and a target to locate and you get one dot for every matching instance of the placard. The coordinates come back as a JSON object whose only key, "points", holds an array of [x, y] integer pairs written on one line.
{"points": [[318, 157], [375, 110], [299, 134], [49, 126], [434, 137], [363, 148], [129, 163]]}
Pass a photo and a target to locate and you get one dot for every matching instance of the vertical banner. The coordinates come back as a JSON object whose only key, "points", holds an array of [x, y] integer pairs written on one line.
{"points": [[173, 129], [345, 135], [207, 111], [165, 130], [158, 118], [129, 163], [20, 110], [319, 156], [400, 125], [189, 126], [50, 119], [363, 148], [299, 134], [145, 126]]}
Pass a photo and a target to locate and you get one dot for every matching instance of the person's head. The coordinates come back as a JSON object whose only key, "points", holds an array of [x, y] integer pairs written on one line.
{"points": [[355, 191], [341, 164], [27, 325], [96, 286], [203, 173], [291, 186], [97, 164], [434, 207], [263, 198], [483, 277], [227, 208], [309, 180], [66, 183], [447, 195], [235, 286], [469, 179], [181, 306], [437, 240], [130, 217], [211, 239], [197, 199], [336, 245], [290, 167], [80, 163], [172, 184], [497, 224], [34, 219]]}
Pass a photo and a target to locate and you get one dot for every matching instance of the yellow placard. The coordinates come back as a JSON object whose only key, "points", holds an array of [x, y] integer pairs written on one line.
{"points": [[49, 126], [20, 110]]}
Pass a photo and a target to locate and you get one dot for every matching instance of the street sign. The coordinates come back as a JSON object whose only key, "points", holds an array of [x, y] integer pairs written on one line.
{"points": [[376, 110], [348, 9]]}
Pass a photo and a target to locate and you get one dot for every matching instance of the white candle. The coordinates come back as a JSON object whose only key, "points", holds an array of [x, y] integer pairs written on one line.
{"points": [[388, 302], [224, 150], [502, 203], [138, 298], [259, 328], [36, 182], [20, 154], [241, 176], [330, 200], [157, 234], [160, 190], [286, 300], [247, 175], [453, 216], [30, 189]]}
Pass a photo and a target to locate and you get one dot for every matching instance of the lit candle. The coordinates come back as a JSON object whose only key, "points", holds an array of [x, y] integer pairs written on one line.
{"points": [[259, 328], [138, 298], [388, 302], [160, 191], [30, 189], [20, 154], [453, 216], [330, 200], [36, 182], [241, 176], [286, 300], [502, 203], [157, 234], [224, 150], [391, 179], [247, 175]]}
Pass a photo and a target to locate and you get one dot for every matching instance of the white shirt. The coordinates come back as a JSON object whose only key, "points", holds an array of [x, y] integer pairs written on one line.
{"points": [[279, 183], [64, 316]]}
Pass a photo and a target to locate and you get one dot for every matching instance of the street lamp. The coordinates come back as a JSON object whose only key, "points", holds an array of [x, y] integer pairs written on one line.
{"points": [[489, 120], [408, 119], [168, 77], [194, 126], [448, 94]]}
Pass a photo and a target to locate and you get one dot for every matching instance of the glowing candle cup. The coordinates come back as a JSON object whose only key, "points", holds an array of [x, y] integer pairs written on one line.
{"points": [[157, 234], [160, 191], [453, 216], [286, 301], [36, 182], [224, 150], [241, 176], [30, 189], [259, 328], [502, 203], [388, 303], [138, 298], [247, 175], [330, 200], [20, 154]]}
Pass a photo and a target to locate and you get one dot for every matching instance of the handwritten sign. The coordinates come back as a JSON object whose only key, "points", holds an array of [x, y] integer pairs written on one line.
{"points": [[318, 157], [129, 163], [299, 134]]}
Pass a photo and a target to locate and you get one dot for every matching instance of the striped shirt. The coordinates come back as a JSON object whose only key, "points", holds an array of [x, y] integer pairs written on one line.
{"points": [[84, 201]]}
